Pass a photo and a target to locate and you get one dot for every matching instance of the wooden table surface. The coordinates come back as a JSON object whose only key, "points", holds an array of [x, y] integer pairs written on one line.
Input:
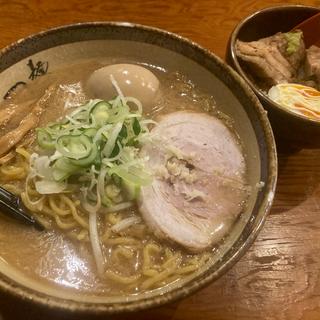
{"points": [[279, 277]]}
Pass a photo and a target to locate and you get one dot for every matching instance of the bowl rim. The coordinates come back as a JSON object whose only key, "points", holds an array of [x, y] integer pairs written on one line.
{"points": [[30, 295], [261, 95]]}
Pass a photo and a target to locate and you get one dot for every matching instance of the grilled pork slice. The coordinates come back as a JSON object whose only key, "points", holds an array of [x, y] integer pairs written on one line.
{"points": [[312, 65], [199, 185], [272, 59], [14, 136], [17, 120]]}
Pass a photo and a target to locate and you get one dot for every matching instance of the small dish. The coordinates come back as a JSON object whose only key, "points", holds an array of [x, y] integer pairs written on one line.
{"points": [[287, 125]]}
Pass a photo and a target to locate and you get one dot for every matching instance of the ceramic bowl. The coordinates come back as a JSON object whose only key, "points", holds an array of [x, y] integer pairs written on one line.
{"points": [[57, 47], [287, 125]]}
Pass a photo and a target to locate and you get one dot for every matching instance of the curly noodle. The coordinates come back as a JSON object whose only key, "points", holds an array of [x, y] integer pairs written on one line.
{"points": [[137, 260]]}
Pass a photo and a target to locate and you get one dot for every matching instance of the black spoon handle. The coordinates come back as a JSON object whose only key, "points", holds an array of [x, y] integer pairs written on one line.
{"points": [[12, 206]]}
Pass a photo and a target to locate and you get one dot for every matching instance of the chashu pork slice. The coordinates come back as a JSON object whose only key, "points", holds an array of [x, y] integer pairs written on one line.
{"points": [[199, 185]]}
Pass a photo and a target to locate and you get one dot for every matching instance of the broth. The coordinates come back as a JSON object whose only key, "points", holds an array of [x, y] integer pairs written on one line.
{"points": [[59, 259]]}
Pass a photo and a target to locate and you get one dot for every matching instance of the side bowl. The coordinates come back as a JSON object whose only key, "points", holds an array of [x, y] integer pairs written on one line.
{"points": [[287, 125], [57, 47]]}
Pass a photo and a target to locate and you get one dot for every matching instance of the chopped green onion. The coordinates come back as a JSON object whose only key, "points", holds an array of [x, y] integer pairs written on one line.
{"points": [[44, 139], [74, 147], [90, 132], [100, 113], [136, 127], [96, 146], [84, 162], [112, 140]]}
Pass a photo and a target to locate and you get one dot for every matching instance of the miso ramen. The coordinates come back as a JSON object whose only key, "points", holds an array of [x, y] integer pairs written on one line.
{"points": [[134, 173]]}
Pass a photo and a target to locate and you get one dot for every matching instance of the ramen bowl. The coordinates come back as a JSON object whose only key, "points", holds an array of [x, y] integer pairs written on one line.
{"points": [[39, 54], [288, 126]]}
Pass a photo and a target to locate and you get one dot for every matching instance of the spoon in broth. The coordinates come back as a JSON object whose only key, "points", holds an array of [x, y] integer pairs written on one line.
{"points": [[12, 206]]}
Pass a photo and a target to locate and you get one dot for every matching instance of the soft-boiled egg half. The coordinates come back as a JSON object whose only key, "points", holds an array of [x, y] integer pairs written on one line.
{"points": [[298, 98], [133, 81]]}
